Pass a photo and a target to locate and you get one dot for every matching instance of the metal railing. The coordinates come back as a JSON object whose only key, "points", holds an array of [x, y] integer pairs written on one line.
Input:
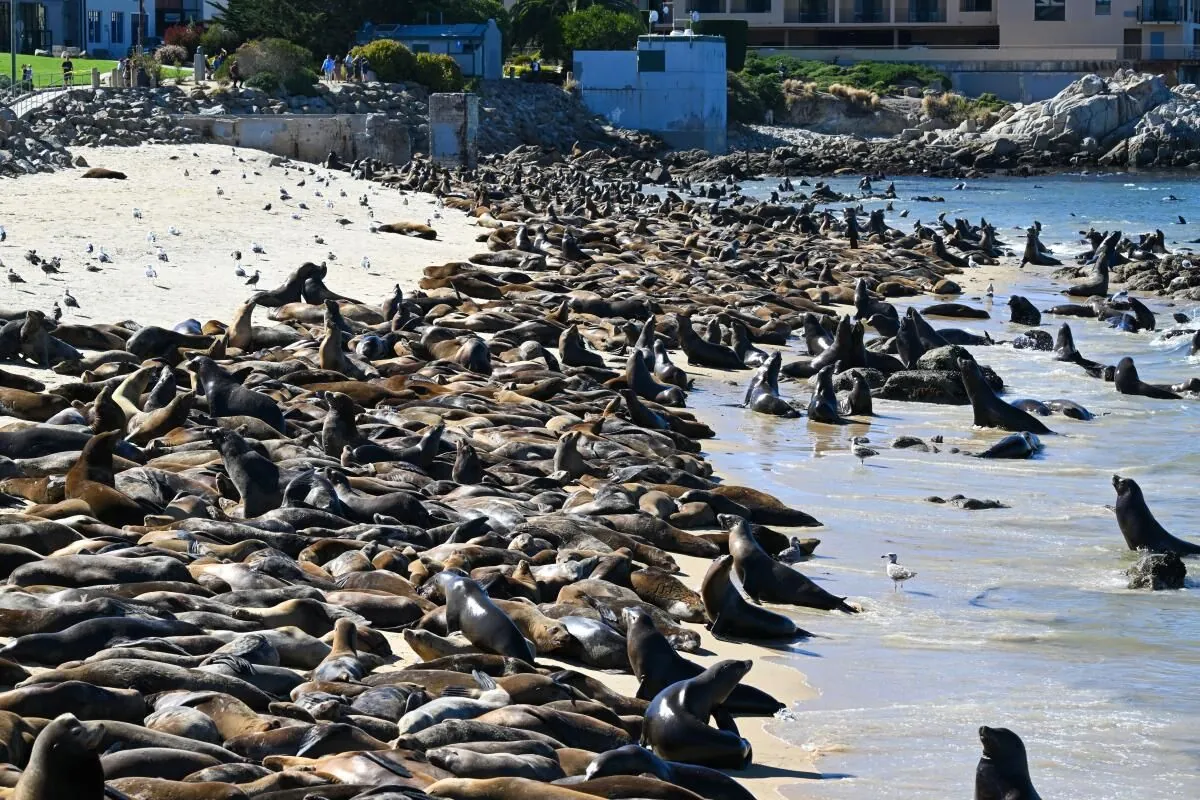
{"points": [[1161, 12]]}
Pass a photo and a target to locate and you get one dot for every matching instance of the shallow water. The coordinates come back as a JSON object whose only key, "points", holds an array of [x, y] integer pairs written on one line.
{"points": [[1018, 617]]}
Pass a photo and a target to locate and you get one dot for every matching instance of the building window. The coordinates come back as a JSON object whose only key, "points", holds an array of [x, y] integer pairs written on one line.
{"points": [[972, 6], [1050, 10], [116, 28], [1103, 8], [750, 7], [93, 26], [420, 48], [706, 6], [652, 61]]}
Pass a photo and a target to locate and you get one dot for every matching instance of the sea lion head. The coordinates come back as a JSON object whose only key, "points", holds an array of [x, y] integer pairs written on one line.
{"points": [[1002, 745]]}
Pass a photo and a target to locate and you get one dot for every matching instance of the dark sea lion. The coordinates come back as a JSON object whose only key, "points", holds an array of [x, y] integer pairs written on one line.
{"points": [[823, 406], [766, 580], [732, 616], [1127, 381], [1069, 408], [228, 398], [154, 762], [1023, 311], [85, 701], [64, 762], [762, 395], [634, 759], [149, 677], [857, 402], [1015, 445], [957, 310], [676, 724], [1064, 350], [574, 353], [1003, 770], [101, 172], [1138, 525], [469, 609], [657, 665], [704, 353], [989, 410], [255, 476]]}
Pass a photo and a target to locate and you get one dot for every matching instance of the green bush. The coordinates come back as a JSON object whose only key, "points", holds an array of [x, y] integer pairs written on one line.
{"points": [[871, 76], [438, 73], [265, 82], [277, 56], [217, 37], [597, 28], [303, 82], [744, 103], [391, 61], [735, 32]]}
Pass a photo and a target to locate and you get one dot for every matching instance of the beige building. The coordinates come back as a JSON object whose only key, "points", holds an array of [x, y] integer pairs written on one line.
{"points": [[967, 30]]}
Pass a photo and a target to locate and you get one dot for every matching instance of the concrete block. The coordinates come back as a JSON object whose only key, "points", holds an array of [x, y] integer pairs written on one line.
{"points": [[309, 137], [454, 129]]}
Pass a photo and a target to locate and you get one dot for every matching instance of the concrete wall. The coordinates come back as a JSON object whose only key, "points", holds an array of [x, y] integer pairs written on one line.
{"points": [[1014, 86], [454, 129], [684, 103], [309, 137]]}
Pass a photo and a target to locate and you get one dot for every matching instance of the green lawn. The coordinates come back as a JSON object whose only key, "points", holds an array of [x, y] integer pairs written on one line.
{"points": [[47, 70]]}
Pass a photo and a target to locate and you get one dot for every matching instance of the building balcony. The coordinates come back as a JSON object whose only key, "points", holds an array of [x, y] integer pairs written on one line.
{"points": [[808, 12], [1162, 12], [932, 13], [867, 12]]}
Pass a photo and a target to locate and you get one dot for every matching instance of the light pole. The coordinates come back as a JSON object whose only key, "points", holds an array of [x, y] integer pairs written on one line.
{"points": [[12, 40]]}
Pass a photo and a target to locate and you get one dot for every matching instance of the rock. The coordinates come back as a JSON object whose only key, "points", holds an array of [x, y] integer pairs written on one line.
{"points": [[80, 161], [1091, 85], [1034, 339], [943, 358], [1157, 571], [925, 386]]}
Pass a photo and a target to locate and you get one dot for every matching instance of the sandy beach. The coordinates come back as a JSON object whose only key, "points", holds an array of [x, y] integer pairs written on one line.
{"points": [[200, 191]]}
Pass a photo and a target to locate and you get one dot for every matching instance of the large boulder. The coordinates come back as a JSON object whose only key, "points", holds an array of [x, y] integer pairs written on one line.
{"points": [[1157, 571]]}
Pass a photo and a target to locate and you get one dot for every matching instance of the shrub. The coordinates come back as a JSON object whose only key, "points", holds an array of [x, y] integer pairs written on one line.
{"points": [[391, 61], [857, 99], [278, 56], [438, 73], [186, 36], [171, 54], [954, 108], [150, 64], [744, 104], [797, 91], [303, 82], [735, 32], [217, 37], [597, 28], [264, 81]]}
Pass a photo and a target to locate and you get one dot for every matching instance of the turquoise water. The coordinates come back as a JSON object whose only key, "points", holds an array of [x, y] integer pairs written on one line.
{"points": [[1019, 617]]}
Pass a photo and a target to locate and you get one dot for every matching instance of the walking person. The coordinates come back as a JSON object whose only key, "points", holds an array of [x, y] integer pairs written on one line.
{"points": [[327, 68], [235, 74], [27, 76], [68, 70]]}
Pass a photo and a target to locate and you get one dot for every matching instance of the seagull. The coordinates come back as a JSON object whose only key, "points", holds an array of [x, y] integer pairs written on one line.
{"points": [[68, 300], [57, 312], [317, 238], [137, 213], [220, 192], [13, 277], [151, 272], [267, 207], [897, 573], [3, 233], [861, 451], [104, 257], [241, 273], [991, 290], [174, 231], [793, 553], [32, 257], [253, 280], [365, 263], [151, 237], [258, 248], [237, 255], [91, 248]]}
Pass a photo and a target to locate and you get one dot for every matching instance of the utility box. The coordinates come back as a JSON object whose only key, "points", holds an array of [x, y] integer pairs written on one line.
{"points": [[454, 129]]}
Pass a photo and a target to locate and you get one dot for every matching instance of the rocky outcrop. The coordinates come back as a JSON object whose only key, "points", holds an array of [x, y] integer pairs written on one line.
{"points": [[23, 151], [826, 113], [1157, 571]]}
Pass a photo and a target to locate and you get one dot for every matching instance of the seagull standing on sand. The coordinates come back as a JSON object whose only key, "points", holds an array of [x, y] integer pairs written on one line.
{"points": [[68, 300], [991, 290], [253, 281], [150, 271], [897, 573]]}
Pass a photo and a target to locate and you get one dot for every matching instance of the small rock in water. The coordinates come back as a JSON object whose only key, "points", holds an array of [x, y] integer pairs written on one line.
{"points": [[967, 503], [1157, 571]]}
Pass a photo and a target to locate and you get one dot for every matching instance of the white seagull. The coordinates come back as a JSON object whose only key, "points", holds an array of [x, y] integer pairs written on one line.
{"points": [[150, 271], [897, 573], [991, 290]]}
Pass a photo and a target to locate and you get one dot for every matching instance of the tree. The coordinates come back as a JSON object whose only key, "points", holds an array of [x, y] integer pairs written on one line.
{"points": [[538, 23], [600, 29]]}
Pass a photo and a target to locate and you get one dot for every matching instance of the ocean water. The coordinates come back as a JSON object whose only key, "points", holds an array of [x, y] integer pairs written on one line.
{"points": [[1018, 617]]}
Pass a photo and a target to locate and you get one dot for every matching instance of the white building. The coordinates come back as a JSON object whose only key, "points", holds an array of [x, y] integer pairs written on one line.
{"points": [[97, 26]]}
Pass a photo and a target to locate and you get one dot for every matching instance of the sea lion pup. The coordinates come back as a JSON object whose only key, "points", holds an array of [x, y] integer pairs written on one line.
{"points": [[1023, 311], [342, 664], [823, 406], [857, 401], [1139, 527], [989, 410], [634, 759], [64, 763], [228, 398], [762, 395], [766, 580], [657, 665], [1003, 770], [731, 615], [470, 610], [676, 723], [254, 476], [1127, 382]]}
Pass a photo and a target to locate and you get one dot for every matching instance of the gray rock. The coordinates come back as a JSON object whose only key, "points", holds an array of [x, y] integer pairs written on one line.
{"points": [[1157, 571]]}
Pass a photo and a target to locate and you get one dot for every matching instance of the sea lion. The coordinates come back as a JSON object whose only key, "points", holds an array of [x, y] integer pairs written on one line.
{"points": [[1064, 350], [469, 609], [342, 664], [1003, 770], [228, 398], [101, 172], [1127, 381], [766, 580], [502, 789], [823, 406], [702, 352], [1023, 311], [255, 477], [657, 665], [64, 762], [1138, 525], [762, 395], [1015, 445], [634, 759], [676, 725], [989, 410], [732, 615]]}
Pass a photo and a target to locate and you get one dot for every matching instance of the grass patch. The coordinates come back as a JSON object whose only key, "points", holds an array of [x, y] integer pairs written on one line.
{"points": [[47, 70], [866, 75], [954, 108]]}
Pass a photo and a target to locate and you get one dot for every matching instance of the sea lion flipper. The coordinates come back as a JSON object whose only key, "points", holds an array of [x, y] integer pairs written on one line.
{"points": [[725, 721]]}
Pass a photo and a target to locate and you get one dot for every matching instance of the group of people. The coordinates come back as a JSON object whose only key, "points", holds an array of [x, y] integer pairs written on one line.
{"points": [[348, 68]]}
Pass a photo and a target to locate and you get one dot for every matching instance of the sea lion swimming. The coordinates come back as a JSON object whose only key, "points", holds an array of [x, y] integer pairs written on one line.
{"points": [[1138, 525], [989, 410], [1127, 381]]}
